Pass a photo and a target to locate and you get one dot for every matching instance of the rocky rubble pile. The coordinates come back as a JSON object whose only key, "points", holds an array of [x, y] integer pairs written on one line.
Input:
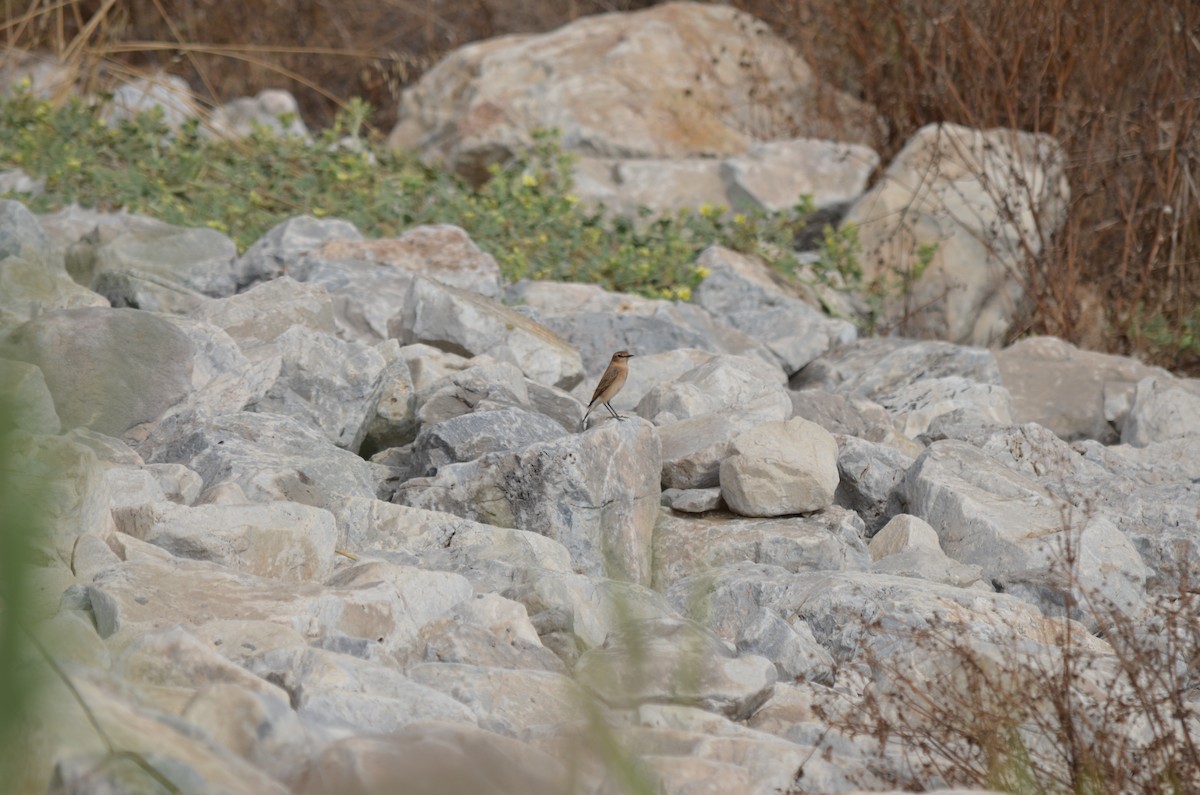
{"points": [[320, 518], [324, 516]]}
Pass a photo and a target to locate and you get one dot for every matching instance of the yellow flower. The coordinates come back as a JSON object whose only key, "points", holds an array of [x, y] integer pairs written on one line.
{"points": [[702, 272], [572, 198], [683, 293], [739, 219], [529, 181], [318, 212], [217, 225]]}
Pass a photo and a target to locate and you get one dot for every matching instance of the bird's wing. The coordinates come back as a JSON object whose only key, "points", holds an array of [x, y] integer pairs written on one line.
{"points": [[606, 381]]}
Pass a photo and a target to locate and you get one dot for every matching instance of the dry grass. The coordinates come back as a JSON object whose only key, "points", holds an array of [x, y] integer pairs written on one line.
{"points": [[1118, 84]]}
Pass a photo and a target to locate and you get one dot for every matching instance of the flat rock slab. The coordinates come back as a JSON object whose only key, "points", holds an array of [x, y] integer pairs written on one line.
{"points": [[465, 322], [153, 595], [267, 456]]}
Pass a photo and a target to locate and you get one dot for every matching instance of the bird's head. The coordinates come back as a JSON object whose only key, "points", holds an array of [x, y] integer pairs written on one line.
{"points": [[621, 356]]}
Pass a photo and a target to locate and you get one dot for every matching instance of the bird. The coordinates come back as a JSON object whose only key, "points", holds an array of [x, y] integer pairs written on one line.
{"points": [[610, 384]]}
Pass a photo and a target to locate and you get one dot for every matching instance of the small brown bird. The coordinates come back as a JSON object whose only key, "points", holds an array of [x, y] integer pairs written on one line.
{"points": [[610, 384]]}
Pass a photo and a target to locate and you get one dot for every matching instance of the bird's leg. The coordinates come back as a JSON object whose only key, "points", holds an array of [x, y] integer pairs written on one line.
{"points": [[612, 412]]}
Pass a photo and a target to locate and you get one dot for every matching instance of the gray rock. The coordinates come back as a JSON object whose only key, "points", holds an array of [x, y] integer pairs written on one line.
{"points": [[143, 290], [635, 65], [329, 384], [904, 533], [272, 109], [869, 479], [383, 604], [773, 175], [68, 757], [694, 448], [67, 483], [163, 269], [120, 371], [1070, 390], [573, 613], [20, 233], [465, 322], [174, 657], [281, 540], [839, 414], [478, 384], [15, 180], [83, 356], [487, 631], [266, 311], [275, 252], [441, 252], [431, 758], [366, 296], [394, 421], [987, 200], [1022, 536], [722, 384], [345, 694], [1150, 492], [269, 457], [597, 493], [195, 260], [692, 500], [28, 404], [937, 405], [908, 547], [513, 703], [873, 367], [76, 231], [492, 558], [29, 290], [469, 436], [597, 335], [1162, 411], [675, 661], [741, 290], [163, 92], [685, 545], [664, 185], [780, 468], [261, 728]]}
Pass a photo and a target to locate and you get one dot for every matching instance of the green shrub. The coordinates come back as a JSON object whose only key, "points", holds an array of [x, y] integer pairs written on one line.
{"points": [[525, 215]]}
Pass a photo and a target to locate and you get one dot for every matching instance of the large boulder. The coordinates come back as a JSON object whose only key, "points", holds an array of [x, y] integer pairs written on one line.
{"points": [[1025, 539], [264, 457], [674, 80], [596, 493], [954, 222], [120, 371], [166, 269], [742, 291], [1078, 394], [780, 468]]}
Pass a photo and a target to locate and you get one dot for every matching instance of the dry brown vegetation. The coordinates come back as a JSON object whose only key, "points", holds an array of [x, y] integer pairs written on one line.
{"points": [[1118, 84], [1115, 82]]}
